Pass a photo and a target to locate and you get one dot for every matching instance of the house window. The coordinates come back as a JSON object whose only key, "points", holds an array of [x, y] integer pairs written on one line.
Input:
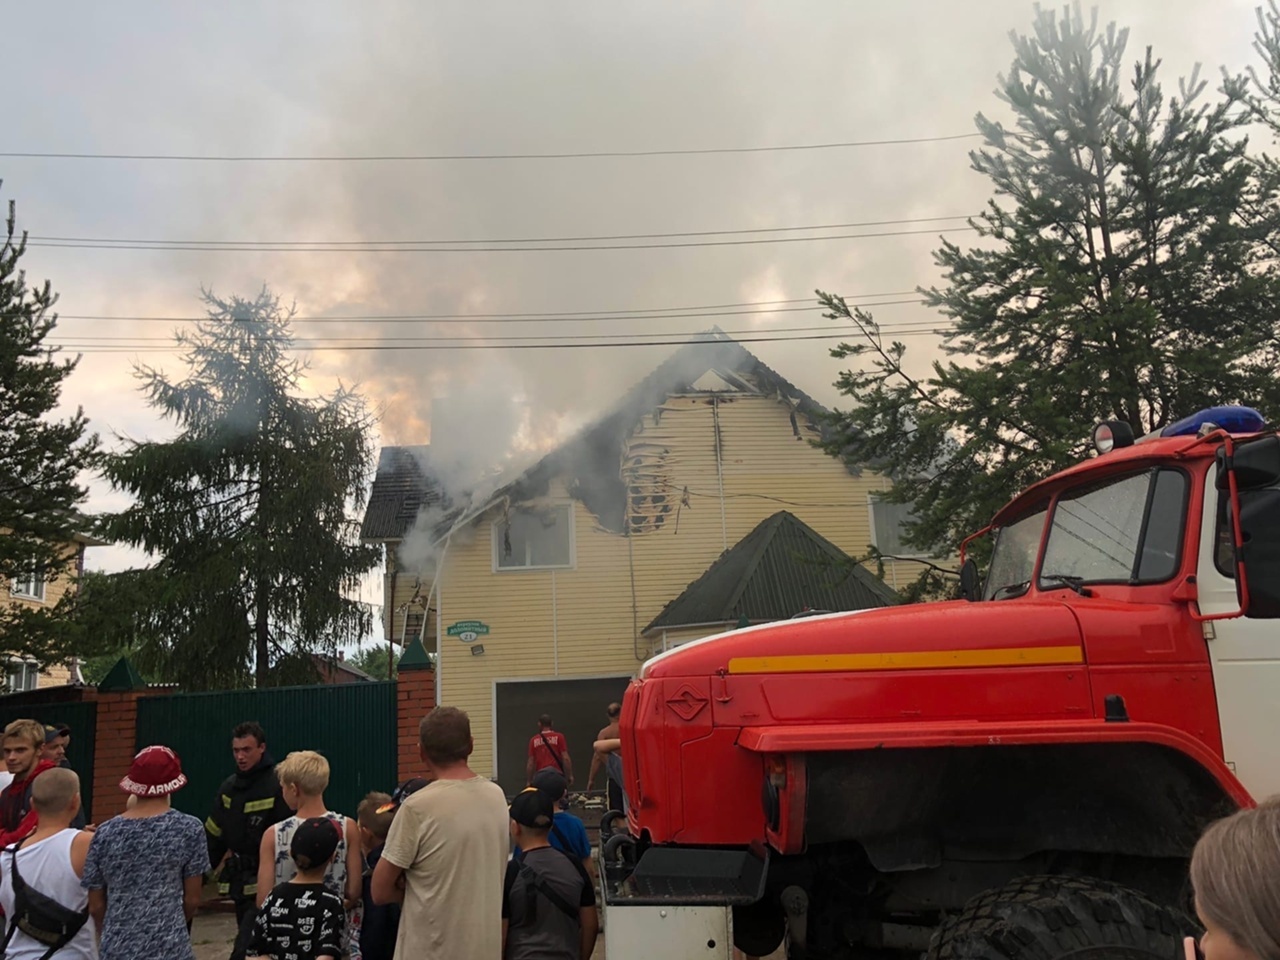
{"points": [[29, 586], [21, 675], [534, 539], [888, 528]]}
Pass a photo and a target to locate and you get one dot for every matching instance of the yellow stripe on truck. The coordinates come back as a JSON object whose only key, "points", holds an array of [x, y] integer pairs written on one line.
{"points": [[909, 660]]}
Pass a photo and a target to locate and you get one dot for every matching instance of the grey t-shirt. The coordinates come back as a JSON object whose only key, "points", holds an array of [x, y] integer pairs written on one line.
{"points": [[537, 927]]}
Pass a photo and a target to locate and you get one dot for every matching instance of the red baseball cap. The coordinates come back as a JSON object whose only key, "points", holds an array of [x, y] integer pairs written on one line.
{"points": [[155, 772]]}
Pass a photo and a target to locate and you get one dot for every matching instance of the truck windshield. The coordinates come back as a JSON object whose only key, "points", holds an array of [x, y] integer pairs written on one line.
{"points": [[1014, 559], [1127, 530]]}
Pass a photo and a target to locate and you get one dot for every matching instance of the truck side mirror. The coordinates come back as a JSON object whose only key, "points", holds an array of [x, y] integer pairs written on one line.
{"points": [[1256, 466], [970, 582]]}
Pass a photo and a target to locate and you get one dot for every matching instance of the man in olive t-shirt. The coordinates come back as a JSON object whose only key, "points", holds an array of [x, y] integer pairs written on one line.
{"points": [[448, 844]]}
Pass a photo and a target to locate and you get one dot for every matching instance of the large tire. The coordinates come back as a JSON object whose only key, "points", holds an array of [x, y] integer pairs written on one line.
{"points": [[1061, 918]]}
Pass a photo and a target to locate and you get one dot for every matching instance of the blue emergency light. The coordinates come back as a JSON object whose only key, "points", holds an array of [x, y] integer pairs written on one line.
{"points": [[1230, 419]]}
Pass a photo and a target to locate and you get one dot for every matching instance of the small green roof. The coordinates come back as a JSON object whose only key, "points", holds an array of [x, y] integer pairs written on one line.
{"points": [[414, 657], [122, 678], [781, 568]]}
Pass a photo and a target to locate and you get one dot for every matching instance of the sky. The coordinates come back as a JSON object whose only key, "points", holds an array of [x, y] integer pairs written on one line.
{"points": [[327, 78]]}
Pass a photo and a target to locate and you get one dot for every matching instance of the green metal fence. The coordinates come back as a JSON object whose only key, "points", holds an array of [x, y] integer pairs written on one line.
{"points": [[352, 724], [80, 716]]}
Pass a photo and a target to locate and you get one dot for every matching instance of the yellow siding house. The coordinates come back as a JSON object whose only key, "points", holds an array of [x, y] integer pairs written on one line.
{"points": [[548, 594]]}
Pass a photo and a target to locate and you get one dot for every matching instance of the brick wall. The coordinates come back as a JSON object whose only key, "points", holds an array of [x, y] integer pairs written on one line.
{"points": [[415, 698], [113, 751]]}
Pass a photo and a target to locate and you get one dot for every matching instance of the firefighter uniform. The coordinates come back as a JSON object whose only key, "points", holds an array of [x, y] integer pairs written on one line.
{"points": [[247, 804]]}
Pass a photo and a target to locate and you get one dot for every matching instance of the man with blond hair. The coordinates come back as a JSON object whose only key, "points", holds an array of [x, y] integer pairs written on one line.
{"points": [[51, 860], [23, 741], [446, 852]]}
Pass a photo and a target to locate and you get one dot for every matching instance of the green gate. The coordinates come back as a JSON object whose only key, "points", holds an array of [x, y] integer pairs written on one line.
{"points": [[79, 715], [352, 724]]}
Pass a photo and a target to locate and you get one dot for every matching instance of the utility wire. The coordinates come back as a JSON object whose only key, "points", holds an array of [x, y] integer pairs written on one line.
{"points": [[131, 241], [556, 314], [846, 334], [251, 248], [568, 317], [414, 158], [112, 338]]}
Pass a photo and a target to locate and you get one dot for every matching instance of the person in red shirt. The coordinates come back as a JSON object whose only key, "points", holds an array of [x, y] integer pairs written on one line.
{"points": [[23, 740], [548, 750]]}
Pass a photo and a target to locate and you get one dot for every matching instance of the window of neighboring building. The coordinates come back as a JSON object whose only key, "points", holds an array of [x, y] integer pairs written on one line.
{"points": [[29, 586], [889, 528], [534, 539], [21, 675]]}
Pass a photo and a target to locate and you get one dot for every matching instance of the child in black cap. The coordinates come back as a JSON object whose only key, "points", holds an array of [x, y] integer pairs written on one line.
{"points": [[300, 919], [548, 901]]}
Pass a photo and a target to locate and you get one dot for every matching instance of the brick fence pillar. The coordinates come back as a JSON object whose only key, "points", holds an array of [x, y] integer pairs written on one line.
{"points": [[415, 698], [115, 737]]}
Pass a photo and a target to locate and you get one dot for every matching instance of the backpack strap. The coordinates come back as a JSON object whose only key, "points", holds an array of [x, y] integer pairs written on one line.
{"points": [[552, 750], [539, 883]]}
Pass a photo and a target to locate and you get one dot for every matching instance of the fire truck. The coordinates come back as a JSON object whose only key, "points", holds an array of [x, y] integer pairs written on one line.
{"points": [[1019, 773]]}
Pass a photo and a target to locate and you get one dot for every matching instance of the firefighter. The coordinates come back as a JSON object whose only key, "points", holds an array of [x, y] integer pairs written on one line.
{"points": [[248, 803]]}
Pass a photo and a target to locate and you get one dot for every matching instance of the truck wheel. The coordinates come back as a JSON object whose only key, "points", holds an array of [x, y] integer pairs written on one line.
{"points": [[1061, 918]]}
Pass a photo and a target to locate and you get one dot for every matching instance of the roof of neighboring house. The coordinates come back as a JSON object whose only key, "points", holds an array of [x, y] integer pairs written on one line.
{"points": [[339, 664], [401, 488], [589, 460], [781, 568]]}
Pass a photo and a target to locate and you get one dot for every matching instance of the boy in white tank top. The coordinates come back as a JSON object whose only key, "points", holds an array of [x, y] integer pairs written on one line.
{"points": [[51, 862]]}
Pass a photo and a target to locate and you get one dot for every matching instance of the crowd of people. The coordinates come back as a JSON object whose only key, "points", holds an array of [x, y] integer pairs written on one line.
{"points": [[443, 866], [440, 866]]}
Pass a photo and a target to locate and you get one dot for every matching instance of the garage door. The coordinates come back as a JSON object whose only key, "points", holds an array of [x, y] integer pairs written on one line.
{"points": [[576, 706]]}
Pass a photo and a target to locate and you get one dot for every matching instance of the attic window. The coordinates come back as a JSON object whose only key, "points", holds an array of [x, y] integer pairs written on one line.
{"points": [[888, 528], [534, 539]]}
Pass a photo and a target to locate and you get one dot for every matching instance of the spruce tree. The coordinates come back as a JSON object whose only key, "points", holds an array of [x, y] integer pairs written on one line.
{"points": [[1122, 272], [43, 458], [249, 510]]}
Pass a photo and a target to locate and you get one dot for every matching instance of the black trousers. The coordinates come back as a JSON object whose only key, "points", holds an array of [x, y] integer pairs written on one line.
{"points": [[614, 790], [246, 914]]}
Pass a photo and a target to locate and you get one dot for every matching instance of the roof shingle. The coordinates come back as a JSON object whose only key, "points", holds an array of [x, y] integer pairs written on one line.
{"points": [[781, 568], [400, 490]]}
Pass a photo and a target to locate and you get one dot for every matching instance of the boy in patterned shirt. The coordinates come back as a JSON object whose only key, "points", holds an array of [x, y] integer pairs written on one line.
{"points": [[300, 919]]}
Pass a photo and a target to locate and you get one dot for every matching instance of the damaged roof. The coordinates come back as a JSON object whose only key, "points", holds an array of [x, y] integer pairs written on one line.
{"points": [[781, 568], [400, 489], [589, 462]]}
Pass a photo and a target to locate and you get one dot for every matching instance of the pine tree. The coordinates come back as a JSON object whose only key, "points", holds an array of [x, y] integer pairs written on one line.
{"points": [[42, 458], [249, 510], [1123, 273]]}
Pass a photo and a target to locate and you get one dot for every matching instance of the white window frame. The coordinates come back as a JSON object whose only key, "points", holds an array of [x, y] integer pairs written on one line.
{"points": [[30, 588], [28, 671], [496, 537], [907, 552]]}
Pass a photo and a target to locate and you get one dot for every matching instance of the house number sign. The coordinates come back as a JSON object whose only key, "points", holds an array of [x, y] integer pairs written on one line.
{"points": [[468, 631]]}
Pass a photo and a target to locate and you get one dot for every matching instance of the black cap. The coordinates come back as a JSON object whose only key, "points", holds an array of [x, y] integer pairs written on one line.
{"points": [[551, 782], [314, 842], [533, 808]]}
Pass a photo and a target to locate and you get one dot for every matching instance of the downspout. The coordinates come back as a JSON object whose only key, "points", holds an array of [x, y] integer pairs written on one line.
{"points": [[715, 419], [635, 613], [555, 630], [435, 583]]}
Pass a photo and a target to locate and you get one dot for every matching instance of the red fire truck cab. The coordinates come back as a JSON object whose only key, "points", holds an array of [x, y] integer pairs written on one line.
{"points": [[961, 779]]}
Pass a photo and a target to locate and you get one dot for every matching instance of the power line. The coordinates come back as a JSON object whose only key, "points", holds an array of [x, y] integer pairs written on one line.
{"points": [[252, 248], [583, 316], [112, 338], [416, 158], [505, 240], [94, 348]]}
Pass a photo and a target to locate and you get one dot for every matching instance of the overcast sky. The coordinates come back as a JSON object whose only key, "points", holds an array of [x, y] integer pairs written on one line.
{"points": [[341, 78]]}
